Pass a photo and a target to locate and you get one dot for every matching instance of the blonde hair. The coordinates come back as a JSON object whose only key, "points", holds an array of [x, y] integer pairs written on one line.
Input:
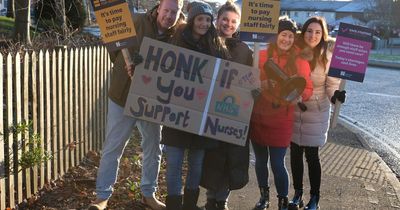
{"points": [[229, 6]]}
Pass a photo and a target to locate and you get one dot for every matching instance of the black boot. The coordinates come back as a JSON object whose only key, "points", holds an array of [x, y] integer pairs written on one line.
{"points": [[283, 203], [297, 201], [222, 205], [313, 203], [211, 204], [190, 198], [263, 203], [174, 202]]}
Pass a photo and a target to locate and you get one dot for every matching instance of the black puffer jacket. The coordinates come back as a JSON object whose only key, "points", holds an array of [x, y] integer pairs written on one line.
{"points": [[226, 167]]}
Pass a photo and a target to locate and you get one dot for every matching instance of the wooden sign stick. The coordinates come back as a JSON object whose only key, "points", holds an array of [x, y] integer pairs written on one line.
{"points": [[338, 104]]}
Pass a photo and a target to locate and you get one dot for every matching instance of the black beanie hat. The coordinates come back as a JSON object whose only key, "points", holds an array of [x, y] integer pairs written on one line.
{"points": [[285, 23], [198, 8]]}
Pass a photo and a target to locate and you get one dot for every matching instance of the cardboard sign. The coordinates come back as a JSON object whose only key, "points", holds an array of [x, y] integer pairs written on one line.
{"points": [[115, 22], [259, 20], [194, 92], [350, 56]]}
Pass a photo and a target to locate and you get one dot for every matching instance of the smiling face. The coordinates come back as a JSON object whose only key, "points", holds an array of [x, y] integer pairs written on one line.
{"points": [[168, 14], [313, 34], [201, 24], [227, 23], [285, 40]]}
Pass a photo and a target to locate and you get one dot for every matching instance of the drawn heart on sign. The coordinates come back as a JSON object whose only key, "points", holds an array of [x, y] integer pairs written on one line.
{"points": [[146, 79], [201, 94], [246, 104]]}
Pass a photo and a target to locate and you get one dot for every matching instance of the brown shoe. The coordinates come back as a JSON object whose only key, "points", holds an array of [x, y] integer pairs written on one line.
{"points": [[153, 203], [98, 204]]}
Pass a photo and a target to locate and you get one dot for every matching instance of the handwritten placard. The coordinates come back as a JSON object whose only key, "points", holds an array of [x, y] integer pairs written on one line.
{"points": [[194, 92], [259, 20], [115, 23], [350, 56]]}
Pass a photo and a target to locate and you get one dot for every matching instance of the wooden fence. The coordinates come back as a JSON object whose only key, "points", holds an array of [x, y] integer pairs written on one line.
{"points": [[64, 94]]}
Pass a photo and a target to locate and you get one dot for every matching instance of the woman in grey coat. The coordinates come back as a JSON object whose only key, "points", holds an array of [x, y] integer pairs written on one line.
{"points": [[311, 124]]}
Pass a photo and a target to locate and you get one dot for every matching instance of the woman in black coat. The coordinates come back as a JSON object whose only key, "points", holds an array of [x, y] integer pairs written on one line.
{"points": [[200, 35], [225, 168]]}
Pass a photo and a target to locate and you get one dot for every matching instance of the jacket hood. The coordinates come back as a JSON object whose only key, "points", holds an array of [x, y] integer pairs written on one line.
{"points": [[331, 44], [306, 54]]}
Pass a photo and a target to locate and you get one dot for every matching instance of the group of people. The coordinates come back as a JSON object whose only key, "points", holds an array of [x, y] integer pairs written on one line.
{"points": [[275, 124]]}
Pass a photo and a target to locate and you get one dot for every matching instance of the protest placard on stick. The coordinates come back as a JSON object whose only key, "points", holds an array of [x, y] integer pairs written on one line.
{"points": [[116, 26], [350, 57], [259, 21]]}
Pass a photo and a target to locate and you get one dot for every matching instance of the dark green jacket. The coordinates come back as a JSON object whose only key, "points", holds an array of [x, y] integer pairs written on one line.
{"points": [[145, 25]]}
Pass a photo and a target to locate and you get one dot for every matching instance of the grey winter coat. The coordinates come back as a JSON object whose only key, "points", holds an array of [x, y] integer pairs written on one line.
{"points": [[311, 126]]}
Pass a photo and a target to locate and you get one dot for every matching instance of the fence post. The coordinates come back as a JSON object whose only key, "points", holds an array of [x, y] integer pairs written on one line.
{"points": [[55, 124], [2, 142], [49, 126], [71, 146], [41, 115], [81, 104], [66, 120], [34, 114], [26, 89], [90, 99], [10, 136], [18, 121]]}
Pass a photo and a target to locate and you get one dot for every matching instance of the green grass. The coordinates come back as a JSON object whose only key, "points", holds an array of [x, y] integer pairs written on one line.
{"points": [[385, 57], [6, 26]]}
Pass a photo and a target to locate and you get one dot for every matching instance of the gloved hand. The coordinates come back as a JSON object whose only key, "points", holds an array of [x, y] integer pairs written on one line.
{"points": [[339, 95], [302, 106], [256, 93], [137, 58]]}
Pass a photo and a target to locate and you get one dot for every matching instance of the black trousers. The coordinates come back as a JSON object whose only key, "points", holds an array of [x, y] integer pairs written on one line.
{"points": [[297, 166]]}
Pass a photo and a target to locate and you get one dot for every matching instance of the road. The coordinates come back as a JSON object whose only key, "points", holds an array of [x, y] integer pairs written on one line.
{"points": [[374, 106]]}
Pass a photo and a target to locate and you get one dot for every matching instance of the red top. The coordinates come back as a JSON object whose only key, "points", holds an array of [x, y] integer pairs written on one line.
{"points": [[272, 119]]}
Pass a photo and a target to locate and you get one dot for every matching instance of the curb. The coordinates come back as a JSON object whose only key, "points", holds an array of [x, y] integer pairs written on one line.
{"points": [[391, 177], [386, 64]]}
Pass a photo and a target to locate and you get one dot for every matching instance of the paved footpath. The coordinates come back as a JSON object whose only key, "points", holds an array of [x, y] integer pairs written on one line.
{"points": [[353, 178]]}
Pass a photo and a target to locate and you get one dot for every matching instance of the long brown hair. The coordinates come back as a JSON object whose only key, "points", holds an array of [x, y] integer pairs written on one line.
{"points": [[212, 41], [322, 45]]}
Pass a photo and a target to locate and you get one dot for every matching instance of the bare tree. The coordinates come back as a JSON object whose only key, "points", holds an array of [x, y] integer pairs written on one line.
{"points": [[385, 13], [22, 21], [60, 13], [10, 9]]}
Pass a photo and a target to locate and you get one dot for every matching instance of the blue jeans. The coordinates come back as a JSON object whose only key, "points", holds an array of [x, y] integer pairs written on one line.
{"points": [[119, 129], [175, 156], [281, 176]]}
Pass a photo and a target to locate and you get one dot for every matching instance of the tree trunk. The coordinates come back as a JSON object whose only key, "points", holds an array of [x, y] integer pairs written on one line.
{"points": [[10, 9], [22, 21], [86, 4]]}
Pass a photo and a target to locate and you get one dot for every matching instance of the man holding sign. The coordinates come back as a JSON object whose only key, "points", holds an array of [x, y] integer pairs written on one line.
{"points": [[159, 23]]}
